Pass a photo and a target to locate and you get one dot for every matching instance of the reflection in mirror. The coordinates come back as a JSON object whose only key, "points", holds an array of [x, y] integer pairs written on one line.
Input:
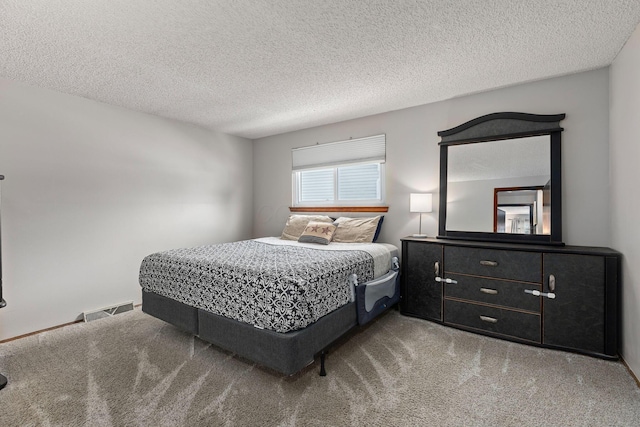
{"points": [[521, 210], [515, 219], [476, 171]]}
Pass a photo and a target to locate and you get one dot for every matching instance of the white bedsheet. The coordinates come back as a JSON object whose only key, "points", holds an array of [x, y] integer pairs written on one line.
{"points": [[381, 252]]}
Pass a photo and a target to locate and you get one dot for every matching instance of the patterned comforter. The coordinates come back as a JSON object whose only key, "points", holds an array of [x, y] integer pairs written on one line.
{"points": [[277, 287]]}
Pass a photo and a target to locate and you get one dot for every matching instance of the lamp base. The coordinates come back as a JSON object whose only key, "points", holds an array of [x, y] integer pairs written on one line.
{"points": [[420, 236]]}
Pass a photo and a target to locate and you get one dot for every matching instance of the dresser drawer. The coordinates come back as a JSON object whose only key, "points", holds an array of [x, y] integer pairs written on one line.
{"points": [[492, 319], [504, 264], [493, 291]]}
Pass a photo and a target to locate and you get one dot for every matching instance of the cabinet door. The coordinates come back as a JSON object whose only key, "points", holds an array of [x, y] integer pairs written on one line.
{"points": [[576, 317], [422, 295]]}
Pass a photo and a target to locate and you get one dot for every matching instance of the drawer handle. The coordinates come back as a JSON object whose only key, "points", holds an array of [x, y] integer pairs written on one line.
{"points": [[489, 263], [440, 279], [488, 319], [537, 293], [489, 291]]}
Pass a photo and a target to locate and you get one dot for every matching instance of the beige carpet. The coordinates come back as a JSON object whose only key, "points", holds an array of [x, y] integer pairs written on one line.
{"points": [[134, 370]]}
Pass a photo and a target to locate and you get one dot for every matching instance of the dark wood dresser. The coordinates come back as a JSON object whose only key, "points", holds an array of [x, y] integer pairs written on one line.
{"points": [[562, 297]]}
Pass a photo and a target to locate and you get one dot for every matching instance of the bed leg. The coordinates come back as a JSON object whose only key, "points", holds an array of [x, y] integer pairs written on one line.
{"points": [[323, 372]]}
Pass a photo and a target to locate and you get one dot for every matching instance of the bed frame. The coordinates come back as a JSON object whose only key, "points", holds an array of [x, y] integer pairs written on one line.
{"points": [[287, 352]]}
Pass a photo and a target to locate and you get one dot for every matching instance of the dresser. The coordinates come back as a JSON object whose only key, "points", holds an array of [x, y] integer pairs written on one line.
{"points": [[562, 297]]}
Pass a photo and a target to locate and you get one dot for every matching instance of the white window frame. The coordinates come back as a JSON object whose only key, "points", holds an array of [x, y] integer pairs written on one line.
{"points": [[296, 188], [334, 155]]}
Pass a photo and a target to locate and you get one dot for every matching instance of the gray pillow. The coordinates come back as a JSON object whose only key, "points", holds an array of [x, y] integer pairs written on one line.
{"points": [[317, 232]]}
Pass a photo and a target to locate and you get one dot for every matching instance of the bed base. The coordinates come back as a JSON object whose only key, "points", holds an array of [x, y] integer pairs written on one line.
{"points": [[286, 353]]}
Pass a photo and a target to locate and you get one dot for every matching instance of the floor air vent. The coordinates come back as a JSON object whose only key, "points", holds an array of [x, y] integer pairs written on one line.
{"points": [[107, 311]]}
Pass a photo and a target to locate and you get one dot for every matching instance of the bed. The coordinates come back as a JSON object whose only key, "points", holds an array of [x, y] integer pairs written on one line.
{"points": [[277, 301]]}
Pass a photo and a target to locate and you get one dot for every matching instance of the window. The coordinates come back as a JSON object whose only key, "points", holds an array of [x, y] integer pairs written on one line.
{"points": [[340, 173]]}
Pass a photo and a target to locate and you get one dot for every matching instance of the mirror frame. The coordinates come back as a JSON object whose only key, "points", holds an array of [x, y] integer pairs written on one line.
{"points": [[504, 126]]}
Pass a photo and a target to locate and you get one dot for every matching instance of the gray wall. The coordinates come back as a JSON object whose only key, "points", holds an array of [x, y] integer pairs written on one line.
{"points": [[91, 189], [625, 175], [413, 155]]}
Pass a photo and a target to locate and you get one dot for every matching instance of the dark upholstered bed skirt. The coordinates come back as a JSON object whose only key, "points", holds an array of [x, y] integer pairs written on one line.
{"points": [[284, 352], [178, 314]]}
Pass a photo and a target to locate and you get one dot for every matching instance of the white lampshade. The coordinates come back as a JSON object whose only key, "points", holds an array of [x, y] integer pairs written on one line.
{"points": [[421, 202]]}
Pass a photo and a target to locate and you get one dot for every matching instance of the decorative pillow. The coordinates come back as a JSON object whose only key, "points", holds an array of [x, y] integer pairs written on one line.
{"points": [[356, 230], [318, 232], [297, 223]]}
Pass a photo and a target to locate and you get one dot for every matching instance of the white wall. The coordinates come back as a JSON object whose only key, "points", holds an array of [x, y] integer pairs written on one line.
{"points": [[91, 189], [413, 154], [625, 176]]}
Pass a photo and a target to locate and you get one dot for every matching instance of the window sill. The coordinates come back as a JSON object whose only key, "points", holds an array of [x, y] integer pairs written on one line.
{"points": [[339, 208]]}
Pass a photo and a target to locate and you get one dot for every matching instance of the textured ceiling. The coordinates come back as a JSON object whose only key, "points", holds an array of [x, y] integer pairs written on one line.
{"points": [[260, 67]]}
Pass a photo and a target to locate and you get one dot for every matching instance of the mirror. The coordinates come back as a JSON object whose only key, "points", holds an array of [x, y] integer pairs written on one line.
{"points": [[522, 210], [500, 179], [476, 171]]}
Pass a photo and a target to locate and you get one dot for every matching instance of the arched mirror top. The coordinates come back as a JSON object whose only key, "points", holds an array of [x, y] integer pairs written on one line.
{"points": [[502, 126], [497, 151]]}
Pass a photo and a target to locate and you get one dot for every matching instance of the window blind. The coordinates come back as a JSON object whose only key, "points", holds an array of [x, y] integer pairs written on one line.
{"points": [[367, 149], [359, 182], [317, 185]]}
